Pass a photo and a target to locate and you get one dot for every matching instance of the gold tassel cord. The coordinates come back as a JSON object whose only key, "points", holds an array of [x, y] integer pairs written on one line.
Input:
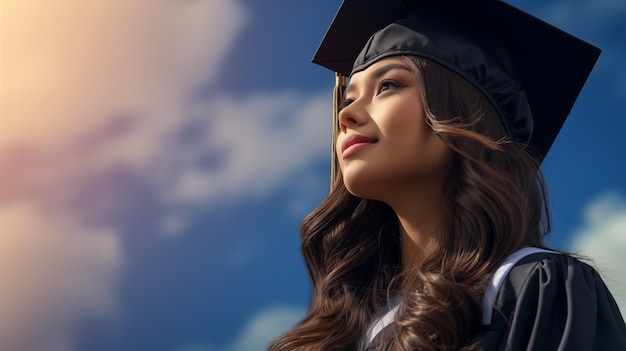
{"points": [[340, 86]]}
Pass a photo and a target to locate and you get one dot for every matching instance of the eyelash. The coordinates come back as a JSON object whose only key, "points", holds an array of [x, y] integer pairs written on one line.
{"points": [[387, 82]]}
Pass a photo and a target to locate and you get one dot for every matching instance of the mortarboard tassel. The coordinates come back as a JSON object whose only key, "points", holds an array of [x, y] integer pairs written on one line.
{"points": [[340, 86]]}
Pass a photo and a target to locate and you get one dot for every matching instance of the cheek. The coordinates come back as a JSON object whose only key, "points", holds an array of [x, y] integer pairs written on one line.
{"points": [[338, 151], [400, 117], [407, 132], [418, 147], [441, 156]]}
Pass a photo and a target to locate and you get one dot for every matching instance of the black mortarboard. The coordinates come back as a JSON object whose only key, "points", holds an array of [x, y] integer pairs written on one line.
{"points": [[529, 70]]}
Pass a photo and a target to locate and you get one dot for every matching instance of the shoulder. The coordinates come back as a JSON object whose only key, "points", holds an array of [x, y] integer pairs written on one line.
{"points": [[559, 276], [555, 300], [549, 270]]}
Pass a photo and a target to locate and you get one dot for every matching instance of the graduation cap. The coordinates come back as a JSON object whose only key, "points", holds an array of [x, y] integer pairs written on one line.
{"points": [[530, 71]]}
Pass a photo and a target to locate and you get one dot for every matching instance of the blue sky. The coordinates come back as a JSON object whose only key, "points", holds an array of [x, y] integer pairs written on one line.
{"points": [[157, 157]]}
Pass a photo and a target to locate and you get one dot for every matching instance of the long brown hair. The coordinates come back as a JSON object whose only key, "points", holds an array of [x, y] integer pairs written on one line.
{"points": [[495, 203]]}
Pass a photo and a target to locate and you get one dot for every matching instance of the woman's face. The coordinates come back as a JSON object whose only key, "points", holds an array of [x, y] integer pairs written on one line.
{"points": [[384, 145]]}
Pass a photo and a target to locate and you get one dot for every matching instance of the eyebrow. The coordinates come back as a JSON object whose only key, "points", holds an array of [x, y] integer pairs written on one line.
{"points": [[381, 72]]}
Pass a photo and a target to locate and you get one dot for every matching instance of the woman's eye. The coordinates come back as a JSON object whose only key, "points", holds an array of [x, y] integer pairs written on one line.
{"points": [[388, 84]]}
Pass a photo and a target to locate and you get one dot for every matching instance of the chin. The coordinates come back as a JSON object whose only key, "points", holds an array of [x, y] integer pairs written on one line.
{"points": [[369, 180], [365, 188]]}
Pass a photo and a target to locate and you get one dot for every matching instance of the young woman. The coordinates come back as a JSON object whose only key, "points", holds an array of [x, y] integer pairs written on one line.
{"points": [[431, 236]]}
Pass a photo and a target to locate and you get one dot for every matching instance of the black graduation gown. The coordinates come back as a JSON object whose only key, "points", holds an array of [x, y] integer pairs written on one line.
{"points": [[550, 301]]}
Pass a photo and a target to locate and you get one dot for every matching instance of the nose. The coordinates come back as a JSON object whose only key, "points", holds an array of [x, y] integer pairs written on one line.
{"points": [[351, 116]]}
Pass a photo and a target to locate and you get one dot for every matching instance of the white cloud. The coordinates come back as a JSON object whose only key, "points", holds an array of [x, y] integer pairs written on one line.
{"points": [[266, 326], [69, 66], [260, 330], [307, 192], [602, 239], [265, 139], [100, 86], [131, 116], [88, 88], [54, 271], [172, 225]]}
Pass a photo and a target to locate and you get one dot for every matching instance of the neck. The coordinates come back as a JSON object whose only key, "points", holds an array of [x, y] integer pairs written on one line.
{"points": [[420, 218]]}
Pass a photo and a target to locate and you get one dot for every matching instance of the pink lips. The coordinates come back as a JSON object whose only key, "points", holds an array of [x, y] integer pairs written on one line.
{"points": [[354, 143]]}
